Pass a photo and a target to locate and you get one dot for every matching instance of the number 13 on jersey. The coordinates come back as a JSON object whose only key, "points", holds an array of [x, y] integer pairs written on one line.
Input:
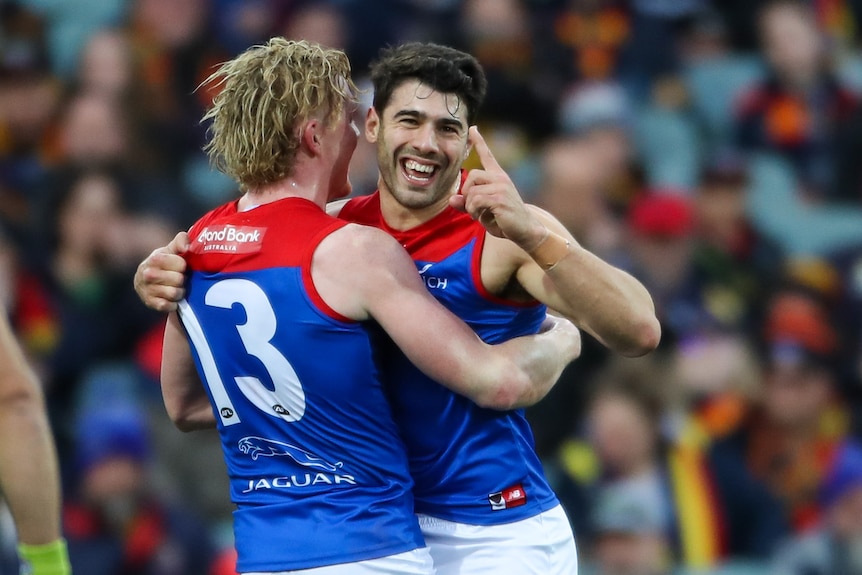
{"points": [[287, 399]]}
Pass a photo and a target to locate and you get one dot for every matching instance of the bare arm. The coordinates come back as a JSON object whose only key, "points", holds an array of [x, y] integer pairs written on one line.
{"points": [[365, 274], [601, 299], [185, 398], [605, 301], [28, 459]]}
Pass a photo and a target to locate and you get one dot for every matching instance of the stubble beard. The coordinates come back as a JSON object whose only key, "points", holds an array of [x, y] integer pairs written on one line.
{"points": [[406, 197]]}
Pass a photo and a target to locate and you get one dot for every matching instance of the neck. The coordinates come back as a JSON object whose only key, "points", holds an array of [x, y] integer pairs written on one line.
{"points": [[306, 181]]}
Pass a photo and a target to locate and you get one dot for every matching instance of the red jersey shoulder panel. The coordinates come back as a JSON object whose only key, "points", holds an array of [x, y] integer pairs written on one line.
{"points": [[284, 233]]}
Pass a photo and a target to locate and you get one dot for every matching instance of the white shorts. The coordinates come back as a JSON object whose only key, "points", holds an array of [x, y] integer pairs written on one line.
{"points": [[416, 562], [540, 545]]}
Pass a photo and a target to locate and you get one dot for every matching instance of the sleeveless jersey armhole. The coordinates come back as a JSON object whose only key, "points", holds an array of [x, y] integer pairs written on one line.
{"points": [[476, 272], [307, 280]]}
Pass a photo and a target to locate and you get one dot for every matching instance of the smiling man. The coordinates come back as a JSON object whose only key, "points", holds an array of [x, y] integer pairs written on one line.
{"points": [[483, 502], [481, 496]]}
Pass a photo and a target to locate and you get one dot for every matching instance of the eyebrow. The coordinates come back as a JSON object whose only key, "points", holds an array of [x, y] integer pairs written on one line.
{"points": [[409, 113]]}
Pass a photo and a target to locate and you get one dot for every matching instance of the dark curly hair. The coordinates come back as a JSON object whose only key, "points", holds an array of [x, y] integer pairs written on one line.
{"points": [[442, 68]]}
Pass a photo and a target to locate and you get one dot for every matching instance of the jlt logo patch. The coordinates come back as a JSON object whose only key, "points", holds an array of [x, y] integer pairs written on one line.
{"points": [[514, 496]]}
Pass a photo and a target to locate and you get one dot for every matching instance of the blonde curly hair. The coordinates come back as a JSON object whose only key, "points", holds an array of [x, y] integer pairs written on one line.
{"points": [[265, 93]]}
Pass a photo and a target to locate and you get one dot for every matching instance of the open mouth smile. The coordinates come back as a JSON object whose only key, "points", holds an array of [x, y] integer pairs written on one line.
{"points": [[418, 172]]}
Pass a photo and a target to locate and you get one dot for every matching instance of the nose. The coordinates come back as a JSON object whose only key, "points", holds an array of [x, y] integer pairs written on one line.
{"points": [[425, 138]]}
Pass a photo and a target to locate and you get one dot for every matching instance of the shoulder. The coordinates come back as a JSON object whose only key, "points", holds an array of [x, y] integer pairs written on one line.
{"points": [[359, 245]]}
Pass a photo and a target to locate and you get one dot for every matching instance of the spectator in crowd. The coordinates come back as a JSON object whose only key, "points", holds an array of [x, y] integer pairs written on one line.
{"points": [[736, 265], [29, 99], [835, 546], [714, 382], [798, 110], [661, 241], [790, 441], [583, 39], [106, 65], [587, 170], [498, 34], [87, 240], [116, 522], [627, 448], [630, 535]]}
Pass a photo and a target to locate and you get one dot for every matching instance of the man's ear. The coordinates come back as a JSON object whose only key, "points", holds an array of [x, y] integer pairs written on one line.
{"points": [[372, 125], [309, 136], [467, 149]]}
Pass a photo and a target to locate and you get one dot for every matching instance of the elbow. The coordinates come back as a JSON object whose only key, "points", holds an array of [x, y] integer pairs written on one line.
{"points": [[184, 424], [509, 392], [645, 337], [182, 418], [180, 421], [20, 391]]}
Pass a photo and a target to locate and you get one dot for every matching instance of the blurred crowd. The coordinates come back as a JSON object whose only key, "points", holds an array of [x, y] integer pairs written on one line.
{"points": [[708, 147]]}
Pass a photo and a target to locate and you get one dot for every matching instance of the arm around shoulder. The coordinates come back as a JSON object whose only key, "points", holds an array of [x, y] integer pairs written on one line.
{"points": [[384, 281]]}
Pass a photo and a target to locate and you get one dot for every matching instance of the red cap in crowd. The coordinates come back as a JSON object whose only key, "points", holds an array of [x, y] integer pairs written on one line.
{"points": [[661, 214]]}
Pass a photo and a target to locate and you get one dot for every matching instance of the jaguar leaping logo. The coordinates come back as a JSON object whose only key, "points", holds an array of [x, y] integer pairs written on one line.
{"points": [[256, 447]]}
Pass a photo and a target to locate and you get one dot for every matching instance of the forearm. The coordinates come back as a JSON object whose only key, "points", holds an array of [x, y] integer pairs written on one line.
{"points": [[539, 360], [28, 467], [605, 301]]}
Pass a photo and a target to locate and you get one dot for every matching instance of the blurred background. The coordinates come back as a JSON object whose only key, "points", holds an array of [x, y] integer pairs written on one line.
{"points": [[709, 147]]}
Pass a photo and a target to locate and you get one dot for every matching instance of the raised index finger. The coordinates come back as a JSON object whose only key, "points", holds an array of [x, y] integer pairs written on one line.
{"points": [[486, 157]]}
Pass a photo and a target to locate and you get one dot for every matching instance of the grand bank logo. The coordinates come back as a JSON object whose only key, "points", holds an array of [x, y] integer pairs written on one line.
{"points": [[229, 239]]}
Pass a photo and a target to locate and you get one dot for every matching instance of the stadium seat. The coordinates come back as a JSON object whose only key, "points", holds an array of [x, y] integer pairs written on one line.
{"points": [[667, 142], [802, 228], [714, 85]]}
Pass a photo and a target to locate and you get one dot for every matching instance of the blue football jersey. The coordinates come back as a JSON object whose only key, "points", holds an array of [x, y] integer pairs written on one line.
{"points": [[470, 464], [318, 471]]}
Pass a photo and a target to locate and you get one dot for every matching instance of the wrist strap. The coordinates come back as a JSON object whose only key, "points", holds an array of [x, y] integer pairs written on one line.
{"points": [[550, 251], [48, 559]]}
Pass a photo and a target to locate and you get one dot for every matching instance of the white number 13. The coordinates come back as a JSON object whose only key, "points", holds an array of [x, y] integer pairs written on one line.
{"points": [[287, 400]]}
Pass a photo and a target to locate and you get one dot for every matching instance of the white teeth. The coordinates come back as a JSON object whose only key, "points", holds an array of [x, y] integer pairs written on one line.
{"points": [[413, 165]]}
